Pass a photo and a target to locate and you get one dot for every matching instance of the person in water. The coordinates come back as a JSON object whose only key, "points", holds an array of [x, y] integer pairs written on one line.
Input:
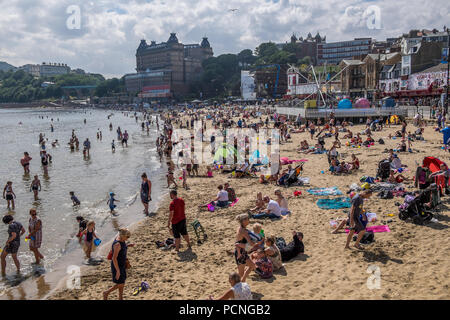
{"points": [[9, 195], [35, 187], [15, 231], [74, 199], [35, 235], [89, 236], [25, 161], [146, 192], [111, 201], [113, 146]]}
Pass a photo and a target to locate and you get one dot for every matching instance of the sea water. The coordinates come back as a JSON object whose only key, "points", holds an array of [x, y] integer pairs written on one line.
{"points": [[91, 179]]}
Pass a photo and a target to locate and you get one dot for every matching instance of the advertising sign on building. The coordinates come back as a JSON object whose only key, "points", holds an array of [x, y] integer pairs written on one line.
{"points": [[161, 91], [248, 85]]}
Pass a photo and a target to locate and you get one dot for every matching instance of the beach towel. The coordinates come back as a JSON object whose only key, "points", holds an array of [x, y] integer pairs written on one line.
{"points": [[234, 202], [337, 203], [331, 191], [286, 160], [375, 229]]}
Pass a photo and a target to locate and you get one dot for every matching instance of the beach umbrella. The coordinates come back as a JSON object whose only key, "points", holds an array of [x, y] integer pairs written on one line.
{"points": [[226, 153], [345, 104], [362, 103]]}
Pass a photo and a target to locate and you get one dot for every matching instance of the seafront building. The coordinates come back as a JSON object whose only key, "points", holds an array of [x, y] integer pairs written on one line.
{"points": [[46, 69], [166, 70]]}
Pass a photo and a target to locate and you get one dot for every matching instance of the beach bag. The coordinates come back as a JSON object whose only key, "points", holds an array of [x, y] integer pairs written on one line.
{"points": [[381, 141], [386, 194], [367, 238], [110, 255]]}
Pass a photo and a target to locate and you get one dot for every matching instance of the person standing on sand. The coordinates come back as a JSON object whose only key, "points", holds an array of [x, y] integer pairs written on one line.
{"points": [[119, 263], [244, 263], [356, 225], [35, 235], [25, 161], [177, 218], [146, 192], [15, 231]]}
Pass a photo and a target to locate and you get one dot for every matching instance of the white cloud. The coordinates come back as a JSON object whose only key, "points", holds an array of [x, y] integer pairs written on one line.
{"points": [[35, 31]]}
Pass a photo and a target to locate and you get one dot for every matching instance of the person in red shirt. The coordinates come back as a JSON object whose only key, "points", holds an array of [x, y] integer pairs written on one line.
{"points": [[177, 219]]}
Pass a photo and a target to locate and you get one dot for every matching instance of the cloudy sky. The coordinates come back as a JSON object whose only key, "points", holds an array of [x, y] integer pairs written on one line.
{"points": [[34, 31]]}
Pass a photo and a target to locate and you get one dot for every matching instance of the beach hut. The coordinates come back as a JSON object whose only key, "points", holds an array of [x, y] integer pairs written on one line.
{"points": [[362, 103], [345, 104], [227, 154]]}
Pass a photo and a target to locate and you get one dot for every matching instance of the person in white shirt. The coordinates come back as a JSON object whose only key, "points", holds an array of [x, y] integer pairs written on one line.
{"points": [[239, 290], [273, 210], [220, 201]]}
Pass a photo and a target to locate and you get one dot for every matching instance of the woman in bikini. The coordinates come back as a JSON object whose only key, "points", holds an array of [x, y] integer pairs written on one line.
{"points": [[244, 263], [9, 195]]}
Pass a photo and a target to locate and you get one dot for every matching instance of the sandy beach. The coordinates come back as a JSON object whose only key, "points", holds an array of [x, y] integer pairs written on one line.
{"points": [[413, 259]]}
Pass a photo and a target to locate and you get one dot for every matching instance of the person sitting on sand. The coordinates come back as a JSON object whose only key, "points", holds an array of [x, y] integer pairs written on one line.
{"points": [[242, 169], [282, 202], [239, 290], [263, 180], [231, 193], [273, 210], [349, 135], [273, 253], [304, 146], [354, 164], [220, 201], [259, 203], [334, 167], [264, 266], [396, 179], [294, 248]]}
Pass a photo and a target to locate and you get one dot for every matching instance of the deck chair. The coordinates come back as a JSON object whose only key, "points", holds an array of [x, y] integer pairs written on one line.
{"points": [[199, 231]]}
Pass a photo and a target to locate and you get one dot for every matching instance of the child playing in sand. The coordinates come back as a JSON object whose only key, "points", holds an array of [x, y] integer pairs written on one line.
{"points": [[74, 199], [209, 172], [111, 201], [89, 234], [259, 203]]}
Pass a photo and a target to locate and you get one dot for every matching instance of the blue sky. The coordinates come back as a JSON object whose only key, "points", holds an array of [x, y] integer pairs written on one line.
{"points": [[36, 31]]}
